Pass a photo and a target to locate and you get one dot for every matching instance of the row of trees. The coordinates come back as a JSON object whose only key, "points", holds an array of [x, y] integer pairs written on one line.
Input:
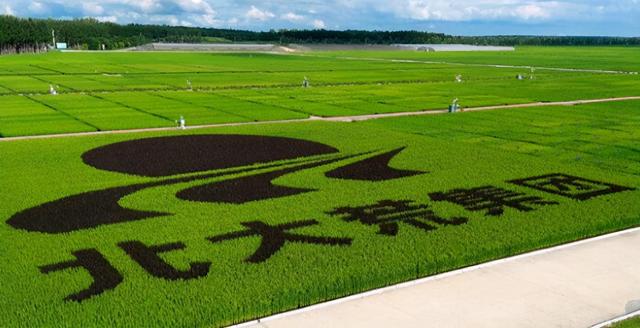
{"points": [[521, 40], [27, 35], [31, 35]]}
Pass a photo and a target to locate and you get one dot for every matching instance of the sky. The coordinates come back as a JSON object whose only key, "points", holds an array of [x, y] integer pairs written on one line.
{"points": [[459, 17]]}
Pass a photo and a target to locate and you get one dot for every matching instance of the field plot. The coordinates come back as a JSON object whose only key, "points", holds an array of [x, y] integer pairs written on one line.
{"points": [[23, 84], [157, 88], [99, 113], [23, 116], [217, 226], [603, 58], [4, 91], [237, 109], [601, 135]]}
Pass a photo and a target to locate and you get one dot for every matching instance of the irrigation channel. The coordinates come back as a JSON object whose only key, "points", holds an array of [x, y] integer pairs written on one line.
{"points": [[354, 118]]}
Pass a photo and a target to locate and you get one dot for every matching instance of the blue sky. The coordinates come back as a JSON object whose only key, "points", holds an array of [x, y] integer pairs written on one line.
{"points": [[463, 17]]}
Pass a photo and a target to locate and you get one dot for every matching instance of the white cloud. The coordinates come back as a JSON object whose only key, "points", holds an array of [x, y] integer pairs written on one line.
{"points": [[532, 11], [206, 20], [195, 6], [144, 5], [319, 24], [467, 10], [162, 19], [110, 19], [292, 17], [257, 14], [37, 8], [8, 10], [450, 16], [92, 9]]}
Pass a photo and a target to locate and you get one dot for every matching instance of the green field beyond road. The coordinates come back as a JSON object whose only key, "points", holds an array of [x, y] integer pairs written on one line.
{"points": [[217, 226], [116, 91]]}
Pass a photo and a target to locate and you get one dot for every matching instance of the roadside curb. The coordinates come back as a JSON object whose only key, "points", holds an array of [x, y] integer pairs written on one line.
{"points": [[618, 319]]}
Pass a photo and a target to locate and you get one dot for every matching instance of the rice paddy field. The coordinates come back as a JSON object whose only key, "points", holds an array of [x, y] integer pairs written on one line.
{"points": [[219, 225], [115, 91]]}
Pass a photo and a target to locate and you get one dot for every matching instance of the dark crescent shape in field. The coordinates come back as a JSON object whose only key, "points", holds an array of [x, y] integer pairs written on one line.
{"points": [[167, 156], [95, 208], [82, 211], [375, 168], [250, 188]]}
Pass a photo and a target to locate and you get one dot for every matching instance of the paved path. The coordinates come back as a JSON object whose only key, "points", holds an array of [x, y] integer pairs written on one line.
{"points": [[575, 285], [334, 118], [475, 109]]}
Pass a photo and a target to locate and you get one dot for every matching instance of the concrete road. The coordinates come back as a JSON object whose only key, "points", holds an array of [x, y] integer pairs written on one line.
{"points": [[575, 285]]}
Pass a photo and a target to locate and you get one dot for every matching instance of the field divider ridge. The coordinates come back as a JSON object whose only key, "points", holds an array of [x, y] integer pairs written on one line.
{"points": [[209, 107], [353, 118], [228, 87], [558, 69], [132, 108], [64, 113], [39, 78]]}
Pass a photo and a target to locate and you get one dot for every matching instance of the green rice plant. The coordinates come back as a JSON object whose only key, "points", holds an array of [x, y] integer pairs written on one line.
{"points": [[629, 323], [205, 236], [225, 88], [20, 115], [237, 109], [609, 58], [103, 114], [24, 84]]}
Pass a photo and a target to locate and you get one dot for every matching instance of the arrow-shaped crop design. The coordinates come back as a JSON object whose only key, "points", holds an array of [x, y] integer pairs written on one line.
{"points": [[101, 207]]}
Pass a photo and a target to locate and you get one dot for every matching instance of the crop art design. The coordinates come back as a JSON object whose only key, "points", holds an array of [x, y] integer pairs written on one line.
{"points": [[250, 188], [570, 186], [491, 199], [245, 168], [105, 276], [386, 214], [274, 237], [167, 156], [182, 159], [375, 168]]}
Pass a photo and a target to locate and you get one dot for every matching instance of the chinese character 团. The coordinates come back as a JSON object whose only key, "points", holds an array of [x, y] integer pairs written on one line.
{"points": [[570, 186]]}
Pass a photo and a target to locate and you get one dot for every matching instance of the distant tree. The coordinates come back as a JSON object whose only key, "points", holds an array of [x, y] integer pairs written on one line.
{"points": [[33, 35]]}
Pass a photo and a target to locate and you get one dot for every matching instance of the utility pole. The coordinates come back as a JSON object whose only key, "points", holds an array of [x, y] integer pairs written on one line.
{"points": [[53, 36]]}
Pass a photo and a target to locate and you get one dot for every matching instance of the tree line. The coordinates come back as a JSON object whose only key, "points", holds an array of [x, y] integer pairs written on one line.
{"points": [[32, 35]]}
